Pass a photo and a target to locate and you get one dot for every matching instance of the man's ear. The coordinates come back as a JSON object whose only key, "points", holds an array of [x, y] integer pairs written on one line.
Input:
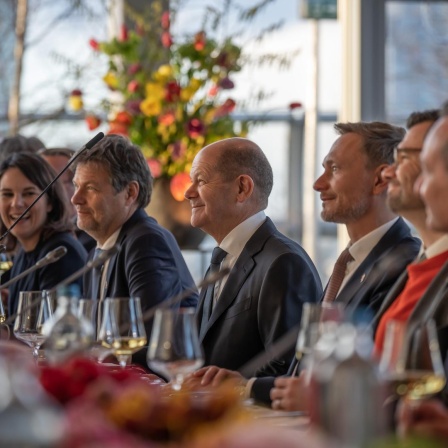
{"points": [[132, 191], [380, 183], [245, 187]]}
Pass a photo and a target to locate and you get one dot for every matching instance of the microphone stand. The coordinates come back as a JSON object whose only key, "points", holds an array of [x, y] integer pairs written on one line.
{"points": [[51, 257], [88, 145]]}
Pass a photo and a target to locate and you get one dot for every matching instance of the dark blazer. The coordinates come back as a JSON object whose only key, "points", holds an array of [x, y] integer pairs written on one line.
{"points": [[261, 300], [368, 285], [148, 265]]}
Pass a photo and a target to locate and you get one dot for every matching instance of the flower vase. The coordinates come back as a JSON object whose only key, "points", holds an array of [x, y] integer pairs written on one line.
{"points": [[174, 215]]}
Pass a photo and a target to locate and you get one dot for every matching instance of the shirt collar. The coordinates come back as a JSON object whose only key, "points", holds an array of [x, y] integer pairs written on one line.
{"points": [[436, 248], [110, 242], [237, 238]]}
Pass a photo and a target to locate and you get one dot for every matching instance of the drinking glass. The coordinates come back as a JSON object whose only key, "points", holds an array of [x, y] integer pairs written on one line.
{"points": [[314, 316], [174, 348], [122, 328], [411, 360], [5, 265], [34, 309]]}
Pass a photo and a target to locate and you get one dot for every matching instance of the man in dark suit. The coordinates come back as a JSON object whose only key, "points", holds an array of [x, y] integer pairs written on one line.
{"points": [[353, 193], [271, 276], [113, 184], [412, 296]]}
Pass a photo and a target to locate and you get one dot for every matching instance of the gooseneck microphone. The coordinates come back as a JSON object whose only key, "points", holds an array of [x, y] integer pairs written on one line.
{"points": [[51, 257], [95, 262], [88, 145]]}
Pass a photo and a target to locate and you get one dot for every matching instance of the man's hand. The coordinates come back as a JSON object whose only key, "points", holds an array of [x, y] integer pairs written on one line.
{"points": [[214, 376], [290, 393], [427, 418]]}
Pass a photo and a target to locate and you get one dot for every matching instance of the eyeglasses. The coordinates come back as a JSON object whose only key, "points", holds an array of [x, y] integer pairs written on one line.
{"points": [[401, 153]]}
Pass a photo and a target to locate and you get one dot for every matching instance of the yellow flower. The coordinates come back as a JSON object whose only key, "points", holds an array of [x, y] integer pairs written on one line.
{"points": [[111, 80], [155, 91], [163, 73], [186, 94], [151, 107]]}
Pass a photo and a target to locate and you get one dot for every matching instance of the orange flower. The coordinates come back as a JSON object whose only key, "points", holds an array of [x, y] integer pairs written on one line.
{"points": [[178, 185]]}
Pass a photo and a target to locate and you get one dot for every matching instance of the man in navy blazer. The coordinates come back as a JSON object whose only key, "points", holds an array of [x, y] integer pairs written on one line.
{"points": [[113, 184], [271, 276], [353, 193]]}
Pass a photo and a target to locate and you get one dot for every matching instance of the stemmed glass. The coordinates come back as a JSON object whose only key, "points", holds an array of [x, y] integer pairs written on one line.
{"points": [[122, 328], [314, 317], [174, 348], [34, 309], [411, 360], [5, 265]]}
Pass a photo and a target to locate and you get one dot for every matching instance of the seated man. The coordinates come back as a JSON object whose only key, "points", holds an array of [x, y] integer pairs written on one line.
{"points": [[112, 186], [380, 243], [271, 276]]}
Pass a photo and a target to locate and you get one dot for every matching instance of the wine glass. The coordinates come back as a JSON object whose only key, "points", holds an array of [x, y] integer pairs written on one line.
{"points": [[5, 265], [314, 316], [34, 309], [122, 328], [174, 348], [411, 360]]}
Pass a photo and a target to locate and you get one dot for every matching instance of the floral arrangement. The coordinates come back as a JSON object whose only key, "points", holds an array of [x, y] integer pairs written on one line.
{"points": [[173, 98]]}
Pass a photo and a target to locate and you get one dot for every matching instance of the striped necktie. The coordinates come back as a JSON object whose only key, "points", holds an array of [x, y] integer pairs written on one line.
{"points": [[337, 276]]}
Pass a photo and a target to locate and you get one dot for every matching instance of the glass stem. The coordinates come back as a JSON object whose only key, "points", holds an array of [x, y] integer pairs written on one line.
{"points": [[123, 360], [178, 380]]}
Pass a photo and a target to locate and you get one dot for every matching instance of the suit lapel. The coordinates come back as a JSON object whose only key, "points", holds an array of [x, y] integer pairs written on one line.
{"points": [[239, 273]]}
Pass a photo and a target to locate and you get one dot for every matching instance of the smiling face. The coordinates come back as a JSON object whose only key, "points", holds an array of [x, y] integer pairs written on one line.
{"points": [[100, 209], [402, 175], [433, 184], [17, 192], [346, 185], [213, 200]]}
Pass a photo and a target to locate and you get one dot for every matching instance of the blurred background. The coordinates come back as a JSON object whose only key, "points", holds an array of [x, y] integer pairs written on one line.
{"points": [[305, 64]]}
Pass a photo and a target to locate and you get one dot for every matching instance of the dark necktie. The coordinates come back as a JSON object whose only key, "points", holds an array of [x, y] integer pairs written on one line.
{"points": [[337, 276], [218, 256], [97, 273]]}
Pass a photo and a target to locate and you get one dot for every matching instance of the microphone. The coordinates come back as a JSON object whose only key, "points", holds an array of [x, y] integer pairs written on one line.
{"points": [[210, 279], [51, 257], [94, 263], [88, 145]]}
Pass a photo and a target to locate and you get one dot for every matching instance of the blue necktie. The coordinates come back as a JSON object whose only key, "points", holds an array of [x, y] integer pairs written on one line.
{"points": [[218, 256]]}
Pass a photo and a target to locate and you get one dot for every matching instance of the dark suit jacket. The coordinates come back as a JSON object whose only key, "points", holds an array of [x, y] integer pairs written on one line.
{"points": [[368, 285], [261, 300], [148, 265]]}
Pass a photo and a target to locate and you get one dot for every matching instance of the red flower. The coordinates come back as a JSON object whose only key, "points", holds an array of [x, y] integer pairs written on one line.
{"points": [[92, 122], [226, 83], [155, 167], [179, 185], [165, 21], [166, 39], [167, 119], [123, 117], [94, 44], [118, 128], [134, 68], [133, 86], [133, 107], [123, 35], [76, 92], [295, 105], [177, 150], [195, 128], [199, 41], [226, 108], [172, 91], [213, 90]]}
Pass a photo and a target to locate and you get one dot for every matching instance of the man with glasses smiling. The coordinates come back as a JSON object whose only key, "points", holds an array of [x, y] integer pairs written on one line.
{"points": [[413, 292]]}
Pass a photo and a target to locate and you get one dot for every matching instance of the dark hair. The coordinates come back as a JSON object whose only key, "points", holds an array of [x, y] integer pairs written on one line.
{"points": [[125, 163], [420, 117], [40, 173], [380, 139], [19, 144], [245, 157]]}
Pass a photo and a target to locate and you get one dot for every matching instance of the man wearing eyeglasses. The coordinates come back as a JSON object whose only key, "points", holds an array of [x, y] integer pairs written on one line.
{"points": [[412, 295]]}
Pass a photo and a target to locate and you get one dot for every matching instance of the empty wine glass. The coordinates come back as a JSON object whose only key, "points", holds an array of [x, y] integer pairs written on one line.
{"points": [[174, 348], [5, 265], [122, 328], [34, 309], [411, 360], [314, 315]]}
